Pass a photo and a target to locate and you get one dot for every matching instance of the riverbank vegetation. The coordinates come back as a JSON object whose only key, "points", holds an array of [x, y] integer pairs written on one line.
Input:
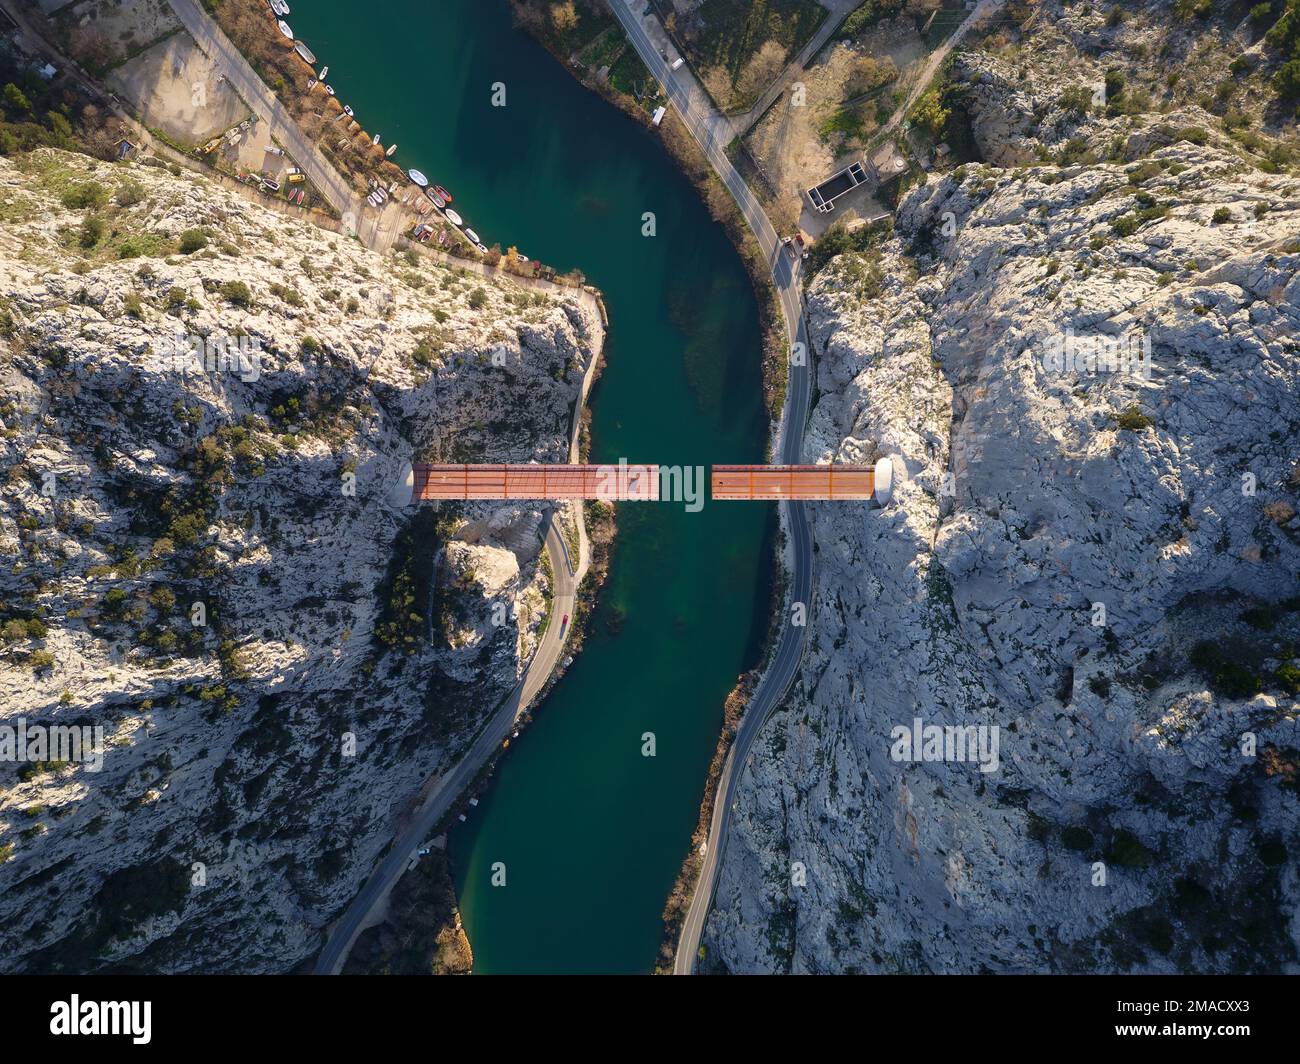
{"points": [[721, 206], [421, 934], [36, 112], [251, 27], [739, 47], [723, 209], [733, 709]]}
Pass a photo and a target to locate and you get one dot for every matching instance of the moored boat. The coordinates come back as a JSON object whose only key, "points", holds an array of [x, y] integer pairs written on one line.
{"points": [[418, 178], [307, 54], [454, 218], [442, 192], [284, 28], [391, 148]]}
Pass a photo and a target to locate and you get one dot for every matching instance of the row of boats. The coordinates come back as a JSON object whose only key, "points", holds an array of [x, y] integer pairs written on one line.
{"points": [[442, 199], [438, 196]]}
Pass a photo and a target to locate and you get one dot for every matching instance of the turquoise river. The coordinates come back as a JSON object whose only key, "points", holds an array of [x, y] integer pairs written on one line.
{"points": [[591, 832]]}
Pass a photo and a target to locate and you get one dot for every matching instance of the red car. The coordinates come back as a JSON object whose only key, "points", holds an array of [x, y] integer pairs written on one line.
{"points": [[564, 621]]}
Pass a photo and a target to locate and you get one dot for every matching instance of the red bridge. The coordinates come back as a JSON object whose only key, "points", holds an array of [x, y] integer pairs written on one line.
{"points": [[794, 482], [632, 482], [637, 483]]}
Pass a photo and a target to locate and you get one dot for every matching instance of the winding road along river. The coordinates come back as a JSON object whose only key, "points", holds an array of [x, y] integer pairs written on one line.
{"points": [[591, 832]]}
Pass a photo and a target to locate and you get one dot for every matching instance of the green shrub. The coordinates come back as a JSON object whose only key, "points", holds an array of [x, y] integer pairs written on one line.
{"points": [[1076, 99], [1288, 676], [1131, 419], [236, 292], [425, 353], [15, 101], [193, 240], [1126, 850], [85, 194], [478, 299], [1226, 678], [129, 193], [92, 231], [1286, 82], [1124, 225]]}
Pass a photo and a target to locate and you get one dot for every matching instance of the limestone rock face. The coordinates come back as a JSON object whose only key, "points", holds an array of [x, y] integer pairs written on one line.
{"points": [[1100, 564], [202, 560]]}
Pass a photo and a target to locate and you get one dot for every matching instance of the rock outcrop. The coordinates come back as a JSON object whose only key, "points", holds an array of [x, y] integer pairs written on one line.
{"points": [[201, 559], [1102, 565]]}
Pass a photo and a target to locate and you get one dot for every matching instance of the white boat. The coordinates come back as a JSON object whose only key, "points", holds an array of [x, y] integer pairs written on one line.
{"points": [[311, 83], [454, 218], [307, 54], [416, 175], [347, 110], [279, 7], [284, 28], [392, 148], [472, 236], [375, 139], [482, 247], [324, 72], [329, 89]]}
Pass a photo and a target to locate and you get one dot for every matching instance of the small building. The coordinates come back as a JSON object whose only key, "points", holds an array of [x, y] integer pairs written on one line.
{"points": [[823, 196], [659, 115]]}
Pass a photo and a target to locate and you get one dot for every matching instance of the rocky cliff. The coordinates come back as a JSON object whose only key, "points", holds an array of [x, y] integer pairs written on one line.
{"points": [[1090, 368], [205, 408]]}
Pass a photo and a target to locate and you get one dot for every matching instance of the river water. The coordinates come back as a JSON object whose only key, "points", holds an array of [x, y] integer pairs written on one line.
{"points": [[591, 833]]}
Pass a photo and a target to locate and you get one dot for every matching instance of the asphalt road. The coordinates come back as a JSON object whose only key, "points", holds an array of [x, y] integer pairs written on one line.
{"points": [[447, 789], [712, 131], [254, 92]]}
